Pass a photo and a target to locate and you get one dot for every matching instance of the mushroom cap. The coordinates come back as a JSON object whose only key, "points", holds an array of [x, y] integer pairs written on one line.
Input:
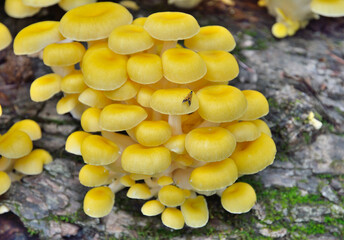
{"points": [[45, 87], [279, 30], [195, 212], [5, 36], [152, 208], [332, 8], [119, 117], [262, 127], [73, 83], [172, 218], [211, 38], [67, 103], [165, 180], [28, 126], [98, 202], [40, 3], [139, 21], [63, 54], [17, 9], [98, 150], [176, 144], [94, 98], [93, 176], [32, 164], [172, 101], [238, 198], [127, 181], [214, 176], [221, 103], [182, 65], [139, 191], [171, 26], [5, 163], [210, 144], [221, 65], [145, 68], [252, 157], [144, 96], [5, 182], [70, 4], [152, 133], [36, 36], [129, 39], [244, 131], [90, 120], [15, 144], [171, 196], [127, 91], [94, 21], [143, 160], [103, 69], [63, 71], [184, 160], [74, 141], [257, 105]]}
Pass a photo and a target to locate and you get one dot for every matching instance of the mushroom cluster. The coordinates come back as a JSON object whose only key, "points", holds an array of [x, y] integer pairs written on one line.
{"points": [[17, 157], [189, 134], [295, 14]]}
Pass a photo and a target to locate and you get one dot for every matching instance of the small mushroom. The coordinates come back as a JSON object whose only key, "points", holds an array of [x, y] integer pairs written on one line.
{"points": [[195, 212], [173, 218], [5, 182], [98, 202], [152, 208], [17, 9], [5, 37]]}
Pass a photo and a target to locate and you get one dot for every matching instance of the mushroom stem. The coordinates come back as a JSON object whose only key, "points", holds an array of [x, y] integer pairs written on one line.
{"points": [[206, 123], [220, 191], [150, 183], [155, 191], [4, 209], [167, 45], [122, 141], [116, 186], [175, 122]]}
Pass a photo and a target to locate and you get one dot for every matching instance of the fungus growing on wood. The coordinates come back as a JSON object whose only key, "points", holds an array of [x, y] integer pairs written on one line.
{"points": [[5, 37]]}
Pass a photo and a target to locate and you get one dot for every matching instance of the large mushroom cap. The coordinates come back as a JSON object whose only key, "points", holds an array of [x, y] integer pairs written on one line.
{"points": [[257, 105], [28, 126], [43, 88], [98, 202], [143, 160], [73, 83], [328, 8], [63, 54], [195, 212], [238, 198], [5, 36], [17, 9], [171, 26], [37, 36], [93, 176], [94, 21]]}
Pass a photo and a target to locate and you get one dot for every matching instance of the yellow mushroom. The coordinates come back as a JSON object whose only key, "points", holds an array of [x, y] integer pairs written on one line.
{"points": [[5, 182], [173, 218], [45, 87], [63, 54], [93, 176], [152, 208], [5, 37], [98, 202], [171, 196], [17, 9], [195, 212]]}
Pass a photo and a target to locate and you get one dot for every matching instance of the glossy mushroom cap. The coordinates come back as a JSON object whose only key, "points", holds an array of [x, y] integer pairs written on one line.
{"points": [[332, 8], [32, 164], [127, 91], [45, 87], [171, 196], [139, 191], [257, 105], [152, 133], [93, 176], [152, 208], [5, 37], [5, 182], [63, 54], [195, 212], [98, 202], [40, 3], [70, 4], [74, 141], [17, 9], [28, 126], [172, 218], [15, 144]]}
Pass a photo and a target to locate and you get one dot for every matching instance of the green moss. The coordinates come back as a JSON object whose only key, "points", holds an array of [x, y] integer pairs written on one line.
{"points": [[32, 232], [311, 228]]}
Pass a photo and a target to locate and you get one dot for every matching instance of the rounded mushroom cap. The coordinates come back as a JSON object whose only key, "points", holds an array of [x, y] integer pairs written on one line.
{"points": [[211, 38], [195, 212], [127, 91], [244, 131], [5, 182], [129, 39], [94, 21], [221, 66], [238, 198], [165, 180], [257, 105], [73, 83], [214, 176], [119, 117], [152, 133], [63, 54], [17, 9], [67, 103], [94, 98], [32, 164], [252, 157], [40, 3], [74, 141], [70, 4], [28, 126], [152, 208], [144, 96], [171, 26], [262, 127], [145, 68], [210, 144], [332, 8], [90, 120], [172, 218], [139, 191], [98, 202], [172, 101], [143, 160], [182, 65], [139, 21], [93, 176], [5, 36], [98, 150], [35, 37], [5, 163], [221, 103], [103, 69], [176, 144], [127, 181], [279, 30], [43, 88], [15, 144], [171, 196]]}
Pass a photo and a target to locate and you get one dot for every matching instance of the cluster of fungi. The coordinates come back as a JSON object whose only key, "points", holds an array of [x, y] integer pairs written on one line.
{"points": [[157, 113]]}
